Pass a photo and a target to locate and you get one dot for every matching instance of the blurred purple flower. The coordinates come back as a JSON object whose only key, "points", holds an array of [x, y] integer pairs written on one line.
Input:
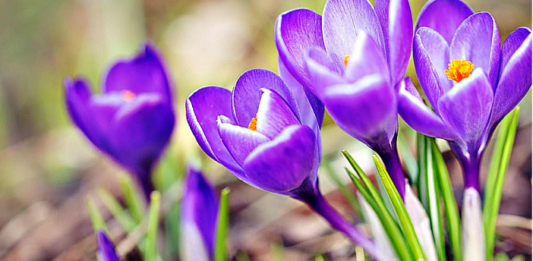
{"points": [[106, 250], [199, 210], [266, 134], [352, 59], [470, 81], [132, 119]]}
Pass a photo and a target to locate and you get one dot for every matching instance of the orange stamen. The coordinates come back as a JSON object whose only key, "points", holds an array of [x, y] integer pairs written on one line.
{"points": [[253, 124], [128, 95], [346, 58], [459, 70]]}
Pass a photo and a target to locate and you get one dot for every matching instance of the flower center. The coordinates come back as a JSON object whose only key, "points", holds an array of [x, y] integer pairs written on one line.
{"points": [[346, 58], [459, 70], [128, 95], [253, 124]]}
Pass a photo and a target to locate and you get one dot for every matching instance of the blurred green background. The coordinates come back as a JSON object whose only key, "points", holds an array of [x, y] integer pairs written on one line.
{"points": [[46, 164]]}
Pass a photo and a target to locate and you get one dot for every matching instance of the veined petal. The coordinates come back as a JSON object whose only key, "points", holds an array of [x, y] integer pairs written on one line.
{"points": [[295, 32], [365, 108], [467, 106], [343, 19], [284, 163], [323, 71], [397, 24], [431, 58], [239, 141], [417, 115], [202, 110], [141, 74], [512, 43], [454, 12], [366, 59], [273, 114], [515, 81], [478, 40]]}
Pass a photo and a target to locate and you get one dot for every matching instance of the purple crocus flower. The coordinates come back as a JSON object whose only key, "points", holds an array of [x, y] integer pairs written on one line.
{"points": [[199, 210], [267, 135], [106, 250], [470, 81], [352, 58], [132, 119]]}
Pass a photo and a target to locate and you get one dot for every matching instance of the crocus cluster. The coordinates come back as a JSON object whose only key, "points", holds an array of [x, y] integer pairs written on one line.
{"points": [[353, 58], [133, 118]]}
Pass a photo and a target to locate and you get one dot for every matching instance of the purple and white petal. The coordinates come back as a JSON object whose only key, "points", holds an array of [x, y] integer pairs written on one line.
{"points": [[366, 59], [273, 114], [239, 141], [106, 250], [323, 71], [512, 43], [444, 16]]}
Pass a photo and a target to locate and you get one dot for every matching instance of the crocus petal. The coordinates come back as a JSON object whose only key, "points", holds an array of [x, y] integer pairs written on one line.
{"points": [[366, 59], [202, 109], [199, 208], [466, 107], [444, 16], [365, 108], [310, 108], [295, 32], [273, 114], [431, 58], [515, 81], [143, 73], [343, 19], [323, 71], [284, 163], [512, 43], [249, 90], [418, 116], [397, 24], [239, 141], [106, 248], [478, 40]]}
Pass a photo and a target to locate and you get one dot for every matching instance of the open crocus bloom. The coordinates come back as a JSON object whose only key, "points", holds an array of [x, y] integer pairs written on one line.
{"points": [[352, 59], [471, 84], [132, 119], [257, 132], [199, 210]]}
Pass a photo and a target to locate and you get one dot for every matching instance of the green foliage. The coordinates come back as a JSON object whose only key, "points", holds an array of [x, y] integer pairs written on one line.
{"points": [[222, 226], [150, 249], [96, 218]]}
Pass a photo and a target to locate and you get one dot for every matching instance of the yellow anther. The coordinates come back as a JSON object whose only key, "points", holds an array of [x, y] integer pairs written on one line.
{"points": [[459, 70], [253, 124], [346, 58], [128, 95]]}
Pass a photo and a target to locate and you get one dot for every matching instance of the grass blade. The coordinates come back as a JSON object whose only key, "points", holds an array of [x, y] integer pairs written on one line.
{"points": [[222, 226], [123, 218], [150, 250], [421, 143], [450, 205], [132, 198], [498, 169], [342, 187], [409, 160], [96, 218], [405, 222]]}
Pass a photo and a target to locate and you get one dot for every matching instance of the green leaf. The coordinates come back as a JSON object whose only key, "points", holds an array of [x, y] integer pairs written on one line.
{"points": [[132, 198], [501, 257], [405, 222], [422, 146], [408, 158], [496, 176], [172, 231], [96, 218], [342, 187], [123, 218], [450, 205], [222, 226], [150, 249]]}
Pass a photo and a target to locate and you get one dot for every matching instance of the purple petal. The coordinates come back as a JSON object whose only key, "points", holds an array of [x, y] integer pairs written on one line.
{"points": [[444, 16], [240, 141], [202, 110], [431, 58], [515, 81], [284, 163], [295, 32], [366, 49], [478, 40], [199, 207], [417, 115], [466, 107], [249, 90], [323, 71], [343, 19], [364, 109], [273, 114], [141, 74], [106, 248], [397, 24], [512, 43], [310, 108]]}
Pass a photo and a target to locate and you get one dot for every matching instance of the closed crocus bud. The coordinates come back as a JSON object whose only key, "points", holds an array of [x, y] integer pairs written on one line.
{"points": [[199, 209], [267, 135], [106, 250], [132, 119], [352, 58]]}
